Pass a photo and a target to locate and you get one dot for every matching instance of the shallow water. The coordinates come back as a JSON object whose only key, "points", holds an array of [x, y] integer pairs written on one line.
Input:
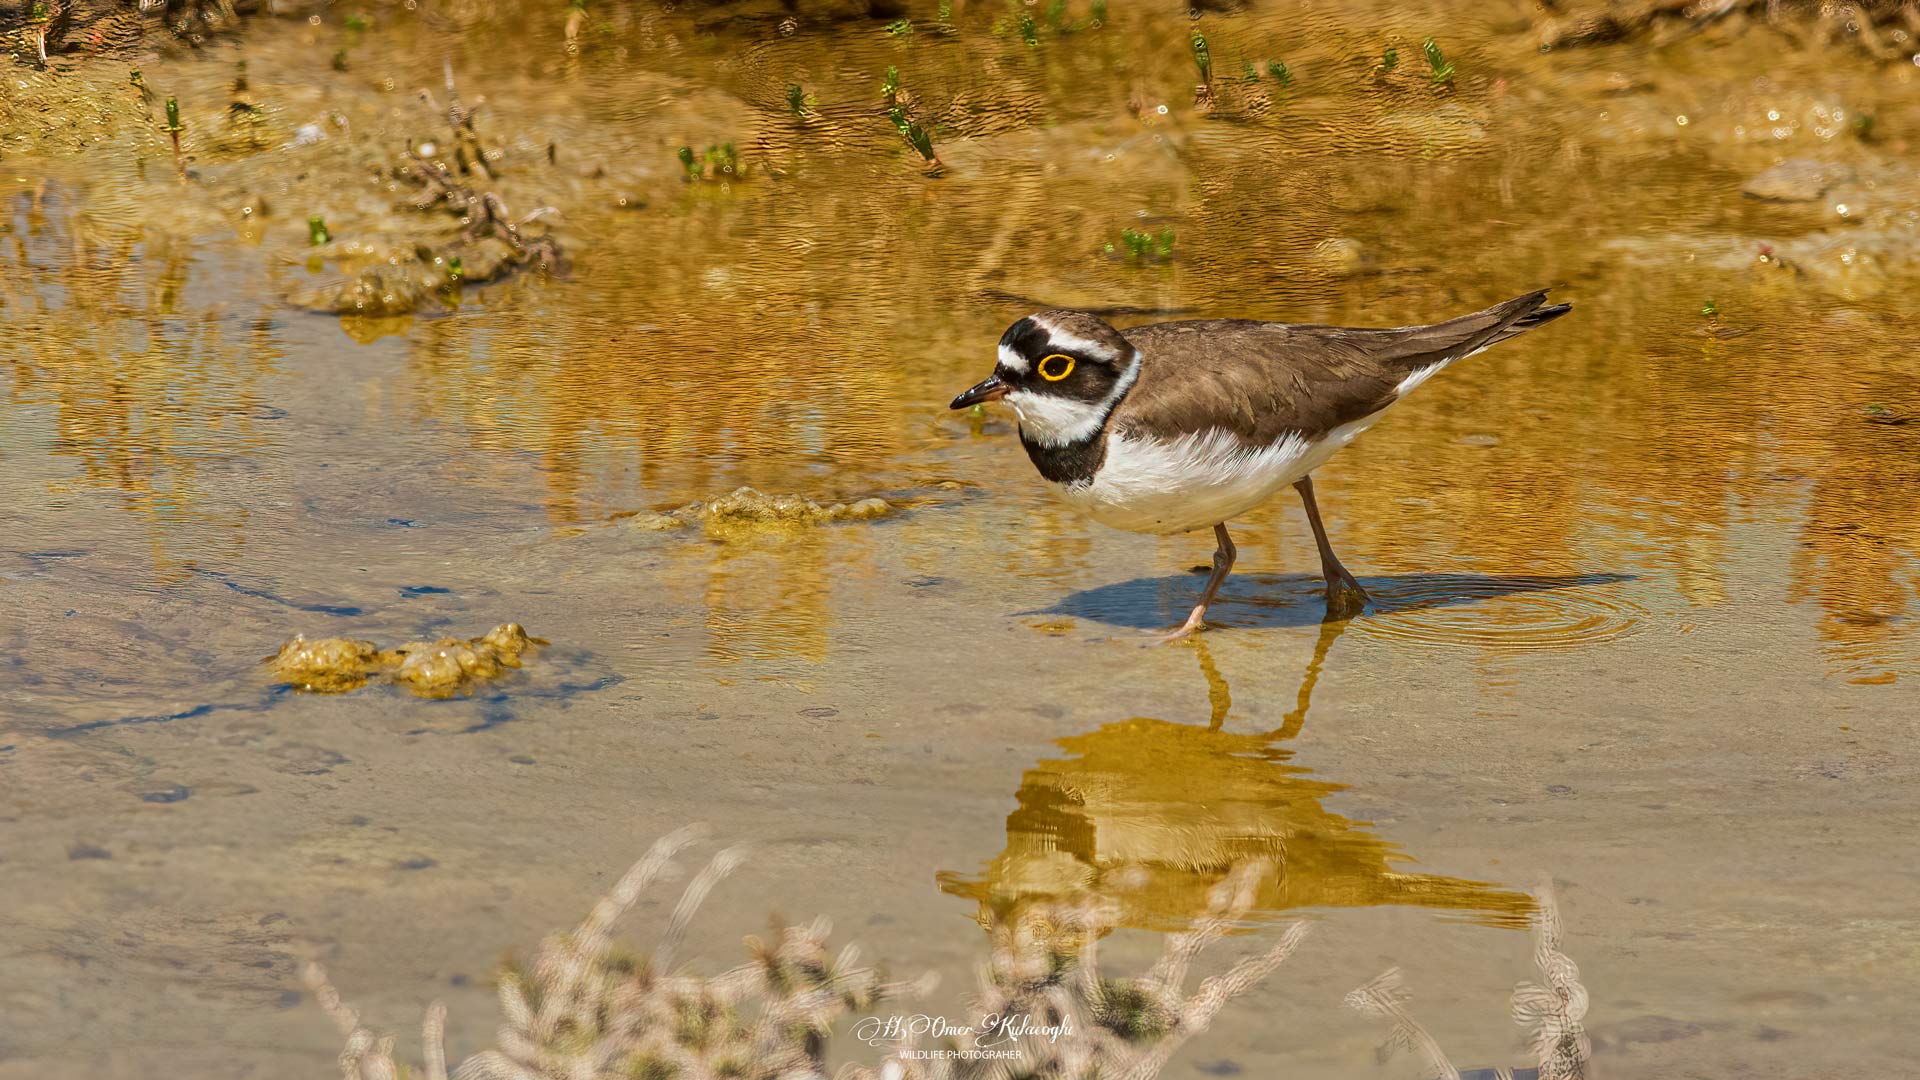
{"points": [[1646, 579]]}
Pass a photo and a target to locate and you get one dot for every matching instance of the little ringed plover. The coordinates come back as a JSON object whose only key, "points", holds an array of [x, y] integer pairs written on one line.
{"points": [[1180, 426]]}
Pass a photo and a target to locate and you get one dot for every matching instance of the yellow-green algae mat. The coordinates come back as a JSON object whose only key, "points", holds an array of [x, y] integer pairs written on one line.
{"points": [[746, 509], [433, 669]]}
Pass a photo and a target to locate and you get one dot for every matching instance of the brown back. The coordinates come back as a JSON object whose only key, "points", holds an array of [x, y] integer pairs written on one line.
{"points": [[1262, 381]]}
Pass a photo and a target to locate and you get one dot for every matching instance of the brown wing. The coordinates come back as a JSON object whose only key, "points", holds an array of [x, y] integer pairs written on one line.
{"points": [[1264, 380]]}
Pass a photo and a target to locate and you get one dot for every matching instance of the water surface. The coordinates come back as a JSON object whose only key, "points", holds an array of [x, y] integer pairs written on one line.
{"points": [[1646, 578]]}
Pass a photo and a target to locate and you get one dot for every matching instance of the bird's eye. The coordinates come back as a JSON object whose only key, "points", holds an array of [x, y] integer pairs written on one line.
{"points": [[1056, 366]]}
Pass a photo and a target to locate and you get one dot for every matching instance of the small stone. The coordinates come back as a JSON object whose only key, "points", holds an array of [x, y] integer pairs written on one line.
{"points": [[1341, 256], [88, 851], [176, 793]]}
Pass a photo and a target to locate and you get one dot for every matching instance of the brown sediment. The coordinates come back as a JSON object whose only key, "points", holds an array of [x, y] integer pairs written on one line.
{"points": [[427, 274], [1878, 27], [434, 669]]}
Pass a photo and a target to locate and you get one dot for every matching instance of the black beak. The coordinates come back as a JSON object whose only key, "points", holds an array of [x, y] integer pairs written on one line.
{"points": [[987, 389]]}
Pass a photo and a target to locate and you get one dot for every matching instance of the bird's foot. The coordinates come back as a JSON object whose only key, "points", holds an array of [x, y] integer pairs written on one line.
{"points": [[1195, 623], [1345, 597]]}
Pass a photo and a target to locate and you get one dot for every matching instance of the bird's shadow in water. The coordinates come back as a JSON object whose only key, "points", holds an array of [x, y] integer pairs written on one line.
{"points": [[1268, 601]]}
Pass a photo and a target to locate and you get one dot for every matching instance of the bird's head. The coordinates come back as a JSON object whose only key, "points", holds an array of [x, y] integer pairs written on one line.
{"points": [[1062, 371]]}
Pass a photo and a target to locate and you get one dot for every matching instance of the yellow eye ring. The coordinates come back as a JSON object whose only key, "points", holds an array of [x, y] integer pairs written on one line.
{"points": [[1054, 372]]}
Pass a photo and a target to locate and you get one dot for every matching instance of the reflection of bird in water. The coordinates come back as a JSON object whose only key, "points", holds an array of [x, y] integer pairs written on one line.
{"points": [[1151, 814]]}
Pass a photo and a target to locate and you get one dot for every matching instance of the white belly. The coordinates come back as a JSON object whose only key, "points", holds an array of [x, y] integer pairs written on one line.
{"points": [[1196, 481]]}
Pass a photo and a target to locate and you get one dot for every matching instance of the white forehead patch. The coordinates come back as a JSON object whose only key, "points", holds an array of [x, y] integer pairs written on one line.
{"points": [[1068, 340], [1012, 361]]}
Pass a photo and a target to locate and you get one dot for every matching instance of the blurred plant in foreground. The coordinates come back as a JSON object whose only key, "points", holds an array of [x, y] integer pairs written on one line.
{"points": [[1552, 1010], [588, 1009]]}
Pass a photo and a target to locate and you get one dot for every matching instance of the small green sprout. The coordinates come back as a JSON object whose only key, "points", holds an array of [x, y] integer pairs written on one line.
{"points": [[718, 162], [916, 135], [1249, 73], [340, 60], [454, 270], [900, 27], [799, 102], [1142, 245], [946, 11], [173, 127], [1389, 60], [1202, 58], [1281, 73], [1709, 308], [1441, 71], [1029, 33], [317, 233], [357, 23], [1099, 12], [1057, 15]]}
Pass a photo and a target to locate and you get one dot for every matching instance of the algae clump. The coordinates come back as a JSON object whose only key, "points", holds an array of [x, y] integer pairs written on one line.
{"points": [[434, 669], [745, 509]]}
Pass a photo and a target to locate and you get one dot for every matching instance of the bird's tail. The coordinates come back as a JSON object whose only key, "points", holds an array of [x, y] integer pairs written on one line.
{"points": [[1416, 347]]}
